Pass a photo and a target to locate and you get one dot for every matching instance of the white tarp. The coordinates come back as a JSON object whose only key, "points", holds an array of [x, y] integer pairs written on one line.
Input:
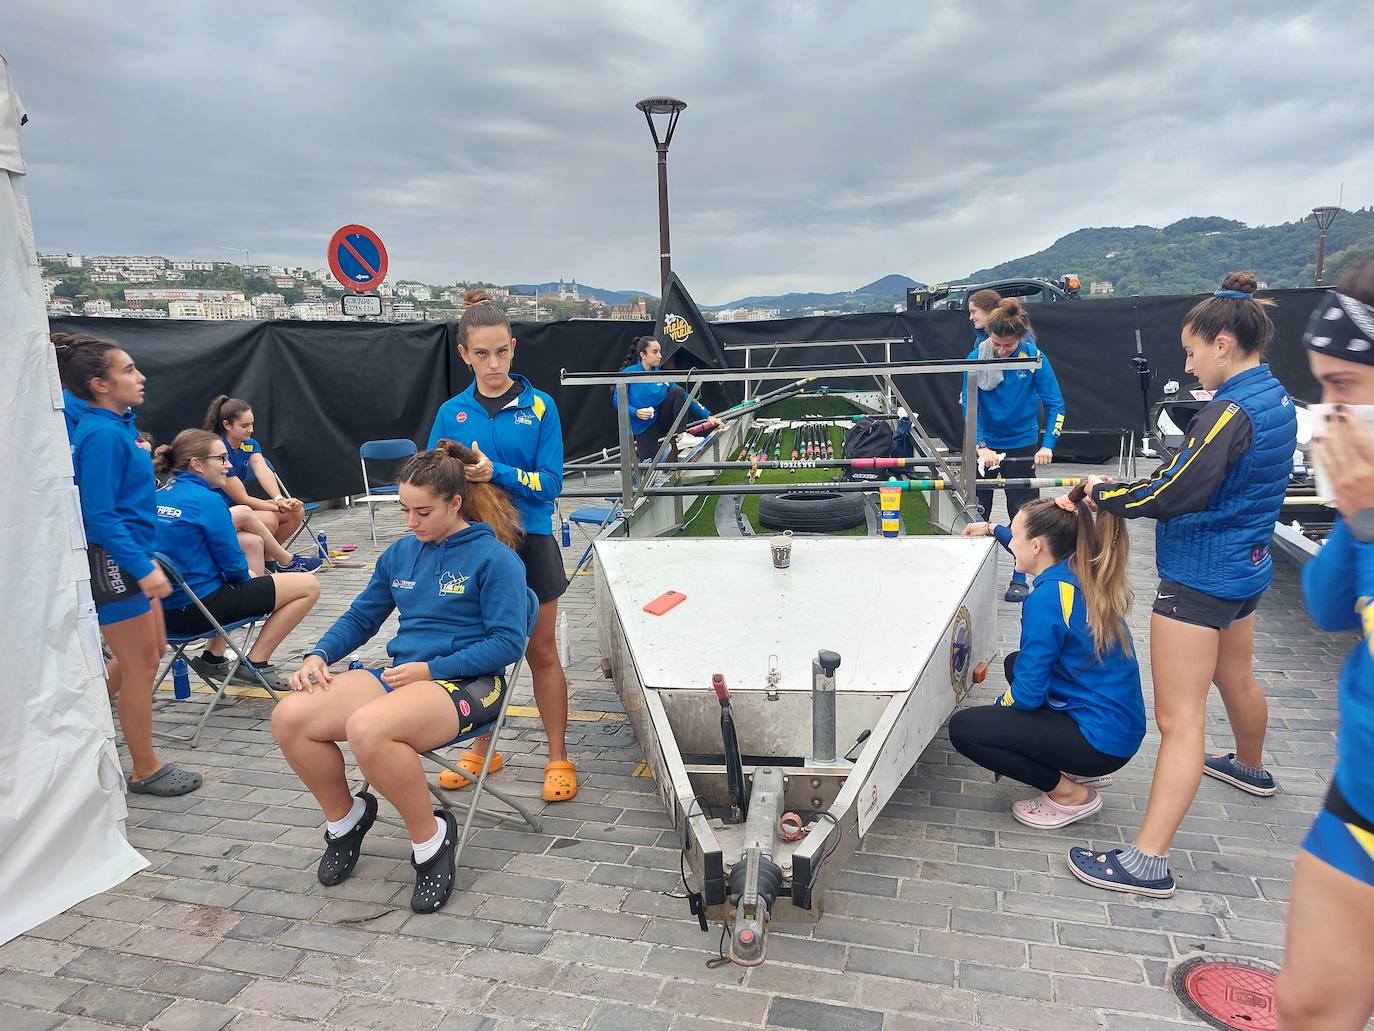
{"points": [[61, 791]]}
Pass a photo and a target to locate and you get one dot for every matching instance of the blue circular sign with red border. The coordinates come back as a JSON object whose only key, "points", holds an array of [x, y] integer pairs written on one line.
{"points": [[357, 258]]}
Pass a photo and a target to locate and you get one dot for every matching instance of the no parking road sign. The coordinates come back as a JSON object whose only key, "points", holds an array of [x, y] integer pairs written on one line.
{"points": [[357, 258]]}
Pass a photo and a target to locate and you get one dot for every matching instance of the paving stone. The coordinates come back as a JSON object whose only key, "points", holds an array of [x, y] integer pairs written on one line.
{"points": [[558, 1010], [931, 1001], [1114, 995], [602, 952], [1013, 1014], [905, 965], [280, 903], [13, 1018], [196, 983], [37, 955], [116, 1005], [713, 1001], [612, 1016], [462, 930], [111, 968], [184, 1015], [786, 948], [589, 921], [254, 958], [259, 927], [819, 1016], [528, 940], [399, 951], [1078, 961], [506, 967], [773, 976], [384, 1014], [288, 999], [163, 943], [45, 991], [1025, 984], [864, 932], [317, 938]]}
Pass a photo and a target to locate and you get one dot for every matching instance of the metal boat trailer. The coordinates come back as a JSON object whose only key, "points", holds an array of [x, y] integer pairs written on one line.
{"points": [[780, 709]]}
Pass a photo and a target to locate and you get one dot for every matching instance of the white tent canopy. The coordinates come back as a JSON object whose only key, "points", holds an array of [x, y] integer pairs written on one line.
{"points": [[61, 790]]}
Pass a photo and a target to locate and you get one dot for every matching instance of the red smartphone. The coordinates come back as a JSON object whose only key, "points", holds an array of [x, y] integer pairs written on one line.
{"points": [[664, 602]]}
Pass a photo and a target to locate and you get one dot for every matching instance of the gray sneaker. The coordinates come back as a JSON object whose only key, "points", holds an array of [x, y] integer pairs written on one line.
{"points": [[1227, 768]]}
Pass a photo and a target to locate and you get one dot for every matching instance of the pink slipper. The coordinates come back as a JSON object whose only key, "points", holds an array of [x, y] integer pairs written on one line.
{"points": [[1047, 814]]}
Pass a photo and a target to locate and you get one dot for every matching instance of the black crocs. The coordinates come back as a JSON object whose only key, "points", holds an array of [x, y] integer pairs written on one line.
{"points": [[341, 853], [434, 879]]}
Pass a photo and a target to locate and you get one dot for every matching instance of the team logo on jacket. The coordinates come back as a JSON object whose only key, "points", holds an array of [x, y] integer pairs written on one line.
{"points": [[462, 416], [402, 585], [677, 327], [524, 419], [168, 512], [453, 583], [1259, 554]]}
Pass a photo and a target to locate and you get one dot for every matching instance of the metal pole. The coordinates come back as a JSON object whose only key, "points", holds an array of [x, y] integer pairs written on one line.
{"points": [[842, 487], [665, 252], [628, 455], [970, 470], [823, 668], [1321, 254]]}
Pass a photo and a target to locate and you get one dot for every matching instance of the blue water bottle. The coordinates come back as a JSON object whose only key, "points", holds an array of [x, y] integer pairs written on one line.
{"points": [[567, 534], [324, 545], [356, 664], [181, 679]]}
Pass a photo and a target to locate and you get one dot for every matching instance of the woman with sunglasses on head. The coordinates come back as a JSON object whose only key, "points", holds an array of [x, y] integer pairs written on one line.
{"points": [[1216, 503], [516, 439], [196, 532], [115, 479]]}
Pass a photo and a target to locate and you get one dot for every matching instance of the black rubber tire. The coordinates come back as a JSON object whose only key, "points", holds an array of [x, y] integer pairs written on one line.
{"points": [[814, 511]]}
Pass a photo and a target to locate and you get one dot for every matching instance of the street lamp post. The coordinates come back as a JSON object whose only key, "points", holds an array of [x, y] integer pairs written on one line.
{"points": [[1324, 215], [670, 107]]}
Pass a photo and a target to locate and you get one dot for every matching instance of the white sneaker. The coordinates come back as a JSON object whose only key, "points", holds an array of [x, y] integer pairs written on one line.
{"points": [[1090, 782]]}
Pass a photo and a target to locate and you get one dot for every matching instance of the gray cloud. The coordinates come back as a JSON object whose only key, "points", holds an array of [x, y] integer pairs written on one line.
{"points": [[823, 145]]}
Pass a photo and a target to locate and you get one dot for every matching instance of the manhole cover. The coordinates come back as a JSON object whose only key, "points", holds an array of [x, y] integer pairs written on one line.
{"points": [[1229, 994]]}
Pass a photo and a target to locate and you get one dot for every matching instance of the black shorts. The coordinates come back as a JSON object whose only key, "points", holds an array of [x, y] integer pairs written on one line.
{"points": [[1175, 601], [544, 571], [229, 604], [477, 699]]}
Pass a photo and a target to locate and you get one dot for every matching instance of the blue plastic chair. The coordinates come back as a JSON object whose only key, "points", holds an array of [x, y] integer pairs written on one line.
{"points": [[381, 451], [518, 816], [179, 643], [593, 515]]}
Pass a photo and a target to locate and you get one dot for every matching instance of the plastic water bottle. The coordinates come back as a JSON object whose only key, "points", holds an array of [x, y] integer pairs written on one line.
{"points": [[355, 664], [567, 534], [324, 544], [181, 679], [564, 643]]}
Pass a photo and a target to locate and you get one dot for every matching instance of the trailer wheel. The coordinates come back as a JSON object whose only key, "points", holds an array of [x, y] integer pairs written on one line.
{"points": [[818, 511]]}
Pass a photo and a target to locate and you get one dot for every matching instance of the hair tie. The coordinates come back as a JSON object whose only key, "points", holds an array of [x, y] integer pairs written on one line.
{"points": [[1239, 295], [1066, 503]]}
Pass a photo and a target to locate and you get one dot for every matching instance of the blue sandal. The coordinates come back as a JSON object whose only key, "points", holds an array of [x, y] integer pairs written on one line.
{"points": [[1104, 870]]}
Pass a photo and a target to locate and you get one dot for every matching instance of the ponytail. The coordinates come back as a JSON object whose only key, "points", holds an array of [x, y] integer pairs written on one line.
{"points": [[223, 409], [637, 348], [441, 470], [1097, 548], [176, 457], [1008, 319]]}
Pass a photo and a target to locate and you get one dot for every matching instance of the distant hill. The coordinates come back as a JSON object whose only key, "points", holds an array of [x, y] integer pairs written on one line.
{"points": [[606, 296], [1193, 254], [889, 289]]}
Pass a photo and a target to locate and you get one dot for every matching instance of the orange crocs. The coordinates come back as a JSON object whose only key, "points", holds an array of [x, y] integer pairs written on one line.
{"points": [[471, 762], [560, 780]]}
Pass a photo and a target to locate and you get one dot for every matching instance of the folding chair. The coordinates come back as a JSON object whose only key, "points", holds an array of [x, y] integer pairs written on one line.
{"points": [[519, 815], [381, 451], [593, 516], [179, 643], [307, 509]]}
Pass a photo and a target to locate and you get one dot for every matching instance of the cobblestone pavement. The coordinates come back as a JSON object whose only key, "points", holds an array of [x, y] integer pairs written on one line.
{"points": [[952, 915]]}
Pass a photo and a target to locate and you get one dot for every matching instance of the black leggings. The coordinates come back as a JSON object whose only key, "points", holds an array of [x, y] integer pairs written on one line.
{"points": [[1033, 746], [1019, 463], [646, 444]]}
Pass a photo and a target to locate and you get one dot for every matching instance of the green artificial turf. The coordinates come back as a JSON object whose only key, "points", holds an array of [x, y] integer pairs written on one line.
{"points": [[701, 517]]}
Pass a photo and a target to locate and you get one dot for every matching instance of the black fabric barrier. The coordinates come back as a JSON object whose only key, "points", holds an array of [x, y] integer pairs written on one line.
{"points": [[319, 389]]}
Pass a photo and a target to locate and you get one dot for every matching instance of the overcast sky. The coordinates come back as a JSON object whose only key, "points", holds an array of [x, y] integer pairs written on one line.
{"points": [[824, 145]]}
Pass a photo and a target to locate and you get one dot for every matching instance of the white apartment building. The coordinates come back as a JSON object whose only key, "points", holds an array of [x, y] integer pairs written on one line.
{"points": [[403, 311], [310, 311], [67, 260], [140, 313], [98, 306], [49, 285], [268, 300], [129, 263], [104, 277], [180, 293], [417, 291], [193, 266], [217, 311]]}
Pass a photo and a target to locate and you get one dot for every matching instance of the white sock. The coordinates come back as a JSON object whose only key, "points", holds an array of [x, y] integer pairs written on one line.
{"points": [[424, 850], [338, 828]]}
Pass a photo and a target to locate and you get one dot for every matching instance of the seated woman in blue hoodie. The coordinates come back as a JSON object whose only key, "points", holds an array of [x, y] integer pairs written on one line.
{"points": [[460, 591], [653, 404], [1009, 404], [196, 531], [1073, 712]]}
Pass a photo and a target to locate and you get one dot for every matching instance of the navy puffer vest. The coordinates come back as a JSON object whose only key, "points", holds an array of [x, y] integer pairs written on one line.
{"points": [[1223, 550]]}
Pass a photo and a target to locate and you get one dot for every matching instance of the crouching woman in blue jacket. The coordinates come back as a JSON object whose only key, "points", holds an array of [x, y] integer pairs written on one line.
{"points": [[196, 531], [1073, 712], [460, 592], [654, 404]]}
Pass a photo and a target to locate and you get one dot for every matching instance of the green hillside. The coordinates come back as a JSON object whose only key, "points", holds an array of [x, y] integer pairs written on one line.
{"points": [[1193, 254]]}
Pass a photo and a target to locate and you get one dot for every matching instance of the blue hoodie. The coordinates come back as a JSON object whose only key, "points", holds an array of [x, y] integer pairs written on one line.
{"points": [[524, 441], [1339, 585], [1057, 666], [196, 532], [115, 476], [73, 408], [1009, 414], [462, 605], [649, 394]]}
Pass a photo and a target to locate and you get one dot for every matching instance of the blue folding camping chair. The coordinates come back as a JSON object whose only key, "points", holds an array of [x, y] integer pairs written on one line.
{"points": [[179, 643], [386, 493]]}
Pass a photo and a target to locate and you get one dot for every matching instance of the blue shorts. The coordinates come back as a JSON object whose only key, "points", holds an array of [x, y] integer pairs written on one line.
{"points": [[1343, 838], [476, 699], [125, 608]]}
